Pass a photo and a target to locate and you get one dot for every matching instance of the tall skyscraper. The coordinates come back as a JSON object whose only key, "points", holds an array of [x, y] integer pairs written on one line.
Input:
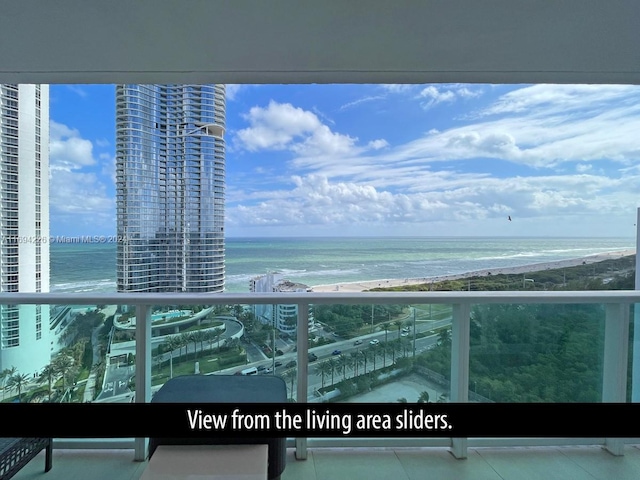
{"points": [[170, 165], [24, 224]]}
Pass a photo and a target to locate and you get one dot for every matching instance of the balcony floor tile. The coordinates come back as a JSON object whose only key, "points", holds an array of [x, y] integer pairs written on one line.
{"points": [[508, 463]]}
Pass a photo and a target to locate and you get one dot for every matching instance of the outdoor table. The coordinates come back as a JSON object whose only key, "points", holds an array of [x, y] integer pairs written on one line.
{"points": [[226, 389]]}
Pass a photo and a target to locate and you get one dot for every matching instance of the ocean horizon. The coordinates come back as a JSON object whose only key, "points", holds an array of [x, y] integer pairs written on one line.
{"points": [[90, 267]]}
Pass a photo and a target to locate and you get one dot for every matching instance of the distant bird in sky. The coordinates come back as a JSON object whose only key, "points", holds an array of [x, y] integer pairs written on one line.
{"points": [[509, 217]]}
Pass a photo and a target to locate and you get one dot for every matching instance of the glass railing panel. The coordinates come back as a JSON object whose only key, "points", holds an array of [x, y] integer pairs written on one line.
{"points": [[536, 353], [381, 354], [54, 353], [194, 339]]}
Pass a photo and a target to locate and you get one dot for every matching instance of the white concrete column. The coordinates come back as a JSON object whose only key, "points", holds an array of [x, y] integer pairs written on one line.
{"points": [[303, 369], [460, 336], [143, 370]]}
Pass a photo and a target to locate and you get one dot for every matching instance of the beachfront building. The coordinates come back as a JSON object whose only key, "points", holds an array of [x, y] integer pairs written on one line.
{"points": [[170, 165], [281, 316], [24, 222]]}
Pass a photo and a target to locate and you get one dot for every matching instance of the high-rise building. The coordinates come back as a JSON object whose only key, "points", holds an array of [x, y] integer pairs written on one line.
{"points": [[24, 224], [170, 166], [281, 316]]}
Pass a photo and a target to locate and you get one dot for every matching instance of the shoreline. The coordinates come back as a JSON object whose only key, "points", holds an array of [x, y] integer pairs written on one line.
{"points": [[353, 287]]}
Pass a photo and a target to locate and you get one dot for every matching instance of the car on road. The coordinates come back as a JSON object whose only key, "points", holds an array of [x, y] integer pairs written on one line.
{"points": [[404, 334], [261, 368], [375, 341], [290, 364], [336, 352], [406, 329], [313, 357], [278, 364], [358, 342]]}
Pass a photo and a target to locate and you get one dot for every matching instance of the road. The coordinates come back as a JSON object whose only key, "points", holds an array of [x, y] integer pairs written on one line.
{"points": [[117, 377]]}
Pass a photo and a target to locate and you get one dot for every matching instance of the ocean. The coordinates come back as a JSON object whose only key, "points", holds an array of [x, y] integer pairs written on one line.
{"points": [[90, 267]]}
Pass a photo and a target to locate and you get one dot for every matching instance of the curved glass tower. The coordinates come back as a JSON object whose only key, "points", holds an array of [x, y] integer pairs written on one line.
{"points": [[170, 166]]}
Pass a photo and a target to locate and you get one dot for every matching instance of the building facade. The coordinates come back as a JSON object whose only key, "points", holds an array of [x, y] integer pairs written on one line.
{"points": [[170, 168], [24, 224], [281, 316]]}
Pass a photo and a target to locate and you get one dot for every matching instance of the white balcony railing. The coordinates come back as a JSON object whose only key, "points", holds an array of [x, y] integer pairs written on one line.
{"points": [[614, 367]]}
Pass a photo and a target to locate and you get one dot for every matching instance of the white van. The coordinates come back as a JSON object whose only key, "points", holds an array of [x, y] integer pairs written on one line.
{"points": [[250, 371]]}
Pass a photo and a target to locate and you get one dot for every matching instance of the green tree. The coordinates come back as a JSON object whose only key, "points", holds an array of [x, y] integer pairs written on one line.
{"points": [[424, 397], [343, 364], [18, 381], [62, 364], [355, 361], [48, 375], [4, 377], [323, 371], [171, 343], [291, 376]]}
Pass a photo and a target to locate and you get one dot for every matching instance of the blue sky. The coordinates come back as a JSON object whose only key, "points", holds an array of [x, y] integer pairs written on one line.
{"points": [[435, 160]]}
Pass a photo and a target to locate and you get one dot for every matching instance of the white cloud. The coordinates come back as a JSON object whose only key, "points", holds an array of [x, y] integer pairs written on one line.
{"points": [[232, 90], [78, 90], [545, 99], [560, 123], [281, 126], [433, 95], [441, 178], [378, 144], [398, 87], [67, 150], [315, 200], [78, 196], [362, 100]]}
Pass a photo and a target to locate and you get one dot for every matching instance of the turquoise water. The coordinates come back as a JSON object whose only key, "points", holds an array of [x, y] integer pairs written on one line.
{"points": [[174, 314], [316, 261]]}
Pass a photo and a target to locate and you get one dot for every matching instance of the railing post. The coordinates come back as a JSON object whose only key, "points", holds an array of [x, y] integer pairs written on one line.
{"points": [[303, 369], [460, 334], [614, 370], [143, 370]]}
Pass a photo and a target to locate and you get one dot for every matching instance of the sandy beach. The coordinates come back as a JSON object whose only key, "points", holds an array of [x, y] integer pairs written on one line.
{"points": [[350, 287]]}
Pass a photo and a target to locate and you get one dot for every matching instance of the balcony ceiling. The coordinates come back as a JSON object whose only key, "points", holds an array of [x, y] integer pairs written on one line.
{"points": [[329, 41]]}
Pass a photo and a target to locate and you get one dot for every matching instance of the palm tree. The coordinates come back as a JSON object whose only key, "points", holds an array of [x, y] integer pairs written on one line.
{"points": [[323, 370], [386, 331], [218, 335], [406, 346], [374, 354], [402, 400], [384, 349], [18, 381], [395, 348], [210, 336], [291, 375], [48, 374], [184, 342], [333, 364], [366, 356], [424, 397], [355, 361], [62, 364], [5, 375], [171, 343], [398, 324], [343, 363]]}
